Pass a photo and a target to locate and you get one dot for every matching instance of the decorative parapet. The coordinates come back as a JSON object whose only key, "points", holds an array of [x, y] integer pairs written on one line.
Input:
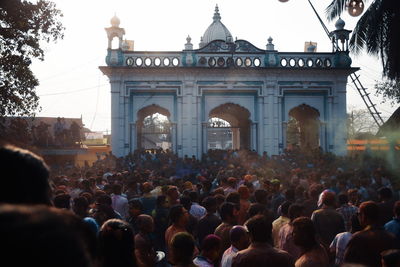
{"points": [[221, 54]]}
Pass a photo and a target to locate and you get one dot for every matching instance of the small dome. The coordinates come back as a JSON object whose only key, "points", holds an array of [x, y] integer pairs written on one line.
{"points": [[115, 21], [217, 30], [340, 24]]}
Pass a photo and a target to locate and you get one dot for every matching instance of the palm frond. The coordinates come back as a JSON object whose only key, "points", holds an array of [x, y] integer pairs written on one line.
{"points": [[335, 9]]}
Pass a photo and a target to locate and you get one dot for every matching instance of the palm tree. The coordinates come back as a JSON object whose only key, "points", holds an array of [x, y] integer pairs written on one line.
{"points": [[378, 31]]}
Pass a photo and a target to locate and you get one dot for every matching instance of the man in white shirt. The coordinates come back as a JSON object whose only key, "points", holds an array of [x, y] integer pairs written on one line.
{"points": [[239, 240], [196, 210], [119, 203]]}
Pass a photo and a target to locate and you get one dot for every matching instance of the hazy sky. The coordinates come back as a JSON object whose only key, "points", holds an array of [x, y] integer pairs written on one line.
{"points": [[71, 85]]}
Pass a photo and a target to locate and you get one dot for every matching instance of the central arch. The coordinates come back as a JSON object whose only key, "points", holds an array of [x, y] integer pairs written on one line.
{"points": [[153, 128], [303, 127], [228, 127]]}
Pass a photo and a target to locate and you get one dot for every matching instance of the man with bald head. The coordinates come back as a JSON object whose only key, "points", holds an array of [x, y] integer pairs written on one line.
{"points": [[239, 241]]}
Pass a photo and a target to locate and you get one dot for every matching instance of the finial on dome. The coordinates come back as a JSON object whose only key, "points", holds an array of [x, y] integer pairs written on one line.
{"points": [[216, 16], [270, 45], [188, 45], [340, 24], [115, 21]]}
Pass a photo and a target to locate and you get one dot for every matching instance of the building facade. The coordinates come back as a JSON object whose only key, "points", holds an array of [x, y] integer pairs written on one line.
{"points": [[264, 100]]}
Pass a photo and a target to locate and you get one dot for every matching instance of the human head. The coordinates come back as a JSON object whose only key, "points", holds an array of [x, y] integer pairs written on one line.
{"points": [[385, 194], [116, 243], [239, 237], [259, 228], [328, 198], [210, 203], [244, 192], [182, 246], [45, 235], [228, 212], [173, 193], [390, 258], [25, 177], [145, 223], [295, 211], [353, 195], [117, 189], [135, 207], [260, 196], [304, 233], [343, 199], [80, 206], [147, 187], [62, 201], [233, 197], [368, 213], [210, 247], [194, 197], [179, 215], [285, 208]]}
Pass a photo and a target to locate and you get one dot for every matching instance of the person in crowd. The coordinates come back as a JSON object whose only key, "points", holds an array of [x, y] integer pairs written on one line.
{"points": [[119, 202], [393, 226], [116, 244], [80, 206], [135, 209], [310, 205], [25, 177], [385, 205], [43, 236], [144, 250], [327, 221], [62, 201], [196, 210], [245, 203], [191, 227], [148, 200], [354, 197], [182, 248], [304, 236], [160, 215], [339, 243], [285, 237], [391, 258], [366, 246], [209, 222], [347, 210], [260, 252], [239, 241], [179, 218], [281, 221], [228, 212], [210, 248], [277, 197], [103, 210], [172, 196]]}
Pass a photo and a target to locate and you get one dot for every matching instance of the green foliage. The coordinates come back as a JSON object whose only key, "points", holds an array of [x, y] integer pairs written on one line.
{"points": [[389, 90], [377, 31], [23, 26]]}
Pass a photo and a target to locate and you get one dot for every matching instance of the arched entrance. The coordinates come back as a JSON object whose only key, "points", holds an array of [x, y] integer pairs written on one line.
{"points": [[153, 128], [303, 128], [228, 127]]}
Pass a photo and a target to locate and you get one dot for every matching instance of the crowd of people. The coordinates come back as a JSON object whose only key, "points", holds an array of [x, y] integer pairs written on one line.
{"points": [[228, 208]]}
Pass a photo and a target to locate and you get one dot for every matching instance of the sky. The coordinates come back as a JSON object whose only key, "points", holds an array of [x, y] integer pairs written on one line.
{"points": [[71, 84]]}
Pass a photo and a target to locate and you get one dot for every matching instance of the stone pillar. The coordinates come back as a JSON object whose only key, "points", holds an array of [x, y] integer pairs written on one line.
{"points": [[260, 128], [133, 137], [117, 119], [340, 130], [174, 137], [253, 136], [204, 136]]}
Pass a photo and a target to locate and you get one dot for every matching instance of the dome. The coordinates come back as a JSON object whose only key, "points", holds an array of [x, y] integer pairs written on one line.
{"points": [[115, 21], [340, 24], [216, 31]]}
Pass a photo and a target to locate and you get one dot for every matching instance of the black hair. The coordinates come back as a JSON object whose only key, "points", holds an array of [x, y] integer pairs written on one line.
{"points": [[26, 177], [226, 210], [182, 245], [260, 228], [175, 213]]}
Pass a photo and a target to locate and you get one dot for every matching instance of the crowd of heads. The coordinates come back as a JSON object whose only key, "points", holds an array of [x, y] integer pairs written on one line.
{"points": [[227, 208]]}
